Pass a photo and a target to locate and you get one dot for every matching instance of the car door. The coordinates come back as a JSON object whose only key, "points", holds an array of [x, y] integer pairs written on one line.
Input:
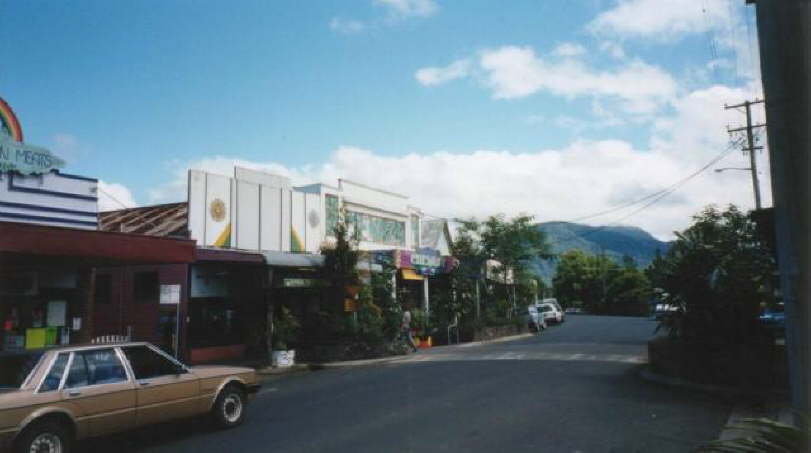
{"points": [[165, 389], [98, 384]]}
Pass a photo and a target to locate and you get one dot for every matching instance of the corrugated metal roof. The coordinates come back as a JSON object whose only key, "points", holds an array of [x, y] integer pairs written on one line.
{"points": [[158, 220]]}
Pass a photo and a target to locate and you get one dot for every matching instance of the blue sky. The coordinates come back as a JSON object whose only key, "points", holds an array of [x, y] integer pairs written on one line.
{"points": [[465, 100]]}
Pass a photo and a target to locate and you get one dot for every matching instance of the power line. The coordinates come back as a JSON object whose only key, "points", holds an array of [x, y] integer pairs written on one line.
{"points": [[656, 197], [112, 197], [657, 193]]}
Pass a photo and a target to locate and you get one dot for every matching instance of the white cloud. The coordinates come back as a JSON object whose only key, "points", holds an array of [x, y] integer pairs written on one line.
{"points": [[346, 26], [568, 49], [113, 196], [515, 72], [553, 184], [613, 49], [438, 75], [663, 20], [723, 22], [409, 8]]}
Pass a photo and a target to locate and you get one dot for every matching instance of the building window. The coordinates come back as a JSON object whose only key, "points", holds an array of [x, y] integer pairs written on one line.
{"points": [[332, 214], [104, 289], [415, 232], [146, 288], [369, 228]]}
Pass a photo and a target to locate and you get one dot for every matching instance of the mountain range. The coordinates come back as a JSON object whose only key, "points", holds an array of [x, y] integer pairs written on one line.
{"points": [[614, 241]]}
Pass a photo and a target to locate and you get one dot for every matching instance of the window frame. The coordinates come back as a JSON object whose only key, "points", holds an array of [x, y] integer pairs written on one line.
{"points": [[83, 351], [156, 350], [71, 354], [51, 364]]}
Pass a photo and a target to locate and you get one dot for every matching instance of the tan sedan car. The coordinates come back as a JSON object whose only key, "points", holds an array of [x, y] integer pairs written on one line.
{"points": [[49, 398]]}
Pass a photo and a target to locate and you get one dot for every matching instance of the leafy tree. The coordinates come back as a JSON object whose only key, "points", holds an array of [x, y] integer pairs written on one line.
{"points": [[719, 274], [340, 264], [599, 285], [512, 243]]}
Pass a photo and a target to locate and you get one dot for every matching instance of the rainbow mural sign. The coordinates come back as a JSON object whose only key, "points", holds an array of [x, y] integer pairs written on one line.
{"points": [[17, 156]]}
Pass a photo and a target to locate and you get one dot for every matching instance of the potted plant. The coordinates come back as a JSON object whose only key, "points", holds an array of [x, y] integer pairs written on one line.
{"points": [[421, 325], [285, 329]]}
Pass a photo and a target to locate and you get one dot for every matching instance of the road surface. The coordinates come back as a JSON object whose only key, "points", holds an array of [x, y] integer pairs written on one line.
{"points": [[574, 388]]}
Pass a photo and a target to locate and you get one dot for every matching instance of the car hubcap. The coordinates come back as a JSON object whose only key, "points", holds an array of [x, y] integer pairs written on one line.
{"points": [[46, 443], [232, 408]]}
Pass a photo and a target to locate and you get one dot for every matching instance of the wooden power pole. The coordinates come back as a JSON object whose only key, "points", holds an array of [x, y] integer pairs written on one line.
{"points": [[750, 140]]}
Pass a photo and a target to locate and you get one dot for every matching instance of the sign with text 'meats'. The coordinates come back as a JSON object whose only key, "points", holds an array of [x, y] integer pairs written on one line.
{"points": [[26, 159]]}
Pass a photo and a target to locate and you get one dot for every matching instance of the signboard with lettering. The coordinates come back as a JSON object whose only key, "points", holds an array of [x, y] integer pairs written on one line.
{"points": [[26, 159], [20, 157]]}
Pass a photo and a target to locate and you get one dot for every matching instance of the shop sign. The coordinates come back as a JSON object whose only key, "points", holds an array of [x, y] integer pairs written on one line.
{"points": [[350, 305], [170, 294], [26, 159], [18, 156], [300, 283]]}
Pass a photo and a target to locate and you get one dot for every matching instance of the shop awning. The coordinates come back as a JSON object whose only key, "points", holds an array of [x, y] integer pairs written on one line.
{"points": [[24, 241], [285, 259], [409, 274]]}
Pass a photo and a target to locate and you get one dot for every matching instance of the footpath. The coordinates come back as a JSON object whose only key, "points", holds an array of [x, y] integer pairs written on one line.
{"points": [[304, 367]]}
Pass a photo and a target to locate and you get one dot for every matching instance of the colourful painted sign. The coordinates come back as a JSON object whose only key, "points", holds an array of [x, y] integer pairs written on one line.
{"points": [[17, 156], [424, 262], [9, 125]]}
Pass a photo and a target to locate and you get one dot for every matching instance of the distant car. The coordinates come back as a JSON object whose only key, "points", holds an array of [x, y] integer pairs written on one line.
{"points": [[663, 310], [573, 310], [49, 398], [551, 313], [555, 302]]}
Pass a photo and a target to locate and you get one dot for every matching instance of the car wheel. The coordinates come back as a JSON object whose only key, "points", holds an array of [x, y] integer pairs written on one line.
{"points": [[229, 408], [44, 437]]}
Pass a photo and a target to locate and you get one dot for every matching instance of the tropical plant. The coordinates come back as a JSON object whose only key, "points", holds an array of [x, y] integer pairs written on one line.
{"points": [[719, 274], [285, 328], [763, 436]]}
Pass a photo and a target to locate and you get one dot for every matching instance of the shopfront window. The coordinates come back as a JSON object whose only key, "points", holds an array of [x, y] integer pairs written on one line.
{"points": [[214, 322], [380, 230]]}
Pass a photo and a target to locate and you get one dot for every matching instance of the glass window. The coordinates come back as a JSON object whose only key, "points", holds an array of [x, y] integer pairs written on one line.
{"points": [[77, 375], [54, 376], [369, 228], [147, 363], [95, 367], [146, 287], [332, 214], [415, 232]]}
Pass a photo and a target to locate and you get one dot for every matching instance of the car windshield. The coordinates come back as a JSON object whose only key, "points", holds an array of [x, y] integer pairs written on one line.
{"points": [[15, 368]]}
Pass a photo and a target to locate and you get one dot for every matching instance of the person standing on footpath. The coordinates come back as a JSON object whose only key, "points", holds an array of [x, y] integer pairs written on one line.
{"points": [[405, 328]]}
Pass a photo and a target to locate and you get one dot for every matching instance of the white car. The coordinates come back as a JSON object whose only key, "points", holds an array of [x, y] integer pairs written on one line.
{"points": [[561, 314], [551, 314]]}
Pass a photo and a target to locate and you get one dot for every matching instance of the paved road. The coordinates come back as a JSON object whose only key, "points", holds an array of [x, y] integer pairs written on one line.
{"points": [[572, 389]]}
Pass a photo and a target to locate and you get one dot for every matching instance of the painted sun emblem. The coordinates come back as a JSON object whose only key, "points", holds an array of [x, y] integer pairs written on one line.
{"points": [[217, 210]]}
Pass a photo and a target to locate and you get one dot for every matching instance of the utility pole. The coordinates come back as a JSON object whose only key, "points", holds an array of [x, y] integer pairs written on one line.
{"points": [[784, 34], [750, 140]]}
